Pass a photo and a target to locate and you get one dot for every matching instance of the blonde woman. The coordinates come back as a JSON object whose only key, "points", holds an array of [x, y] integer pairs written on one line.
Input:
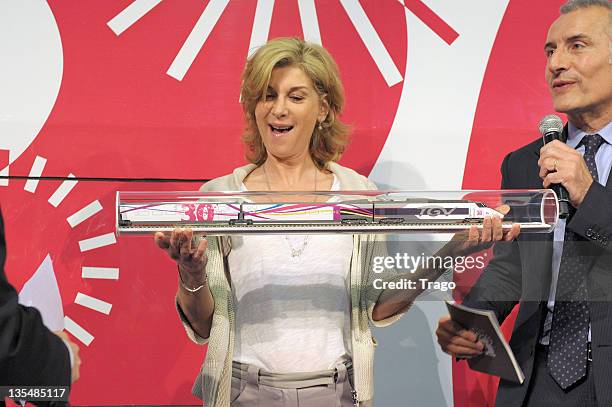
{"points": [[287, 318]]}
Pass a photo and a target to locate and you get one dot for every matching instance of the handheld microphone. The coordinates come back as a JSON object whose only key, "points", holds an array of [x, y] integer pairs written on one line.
{"points": [[551, 128]]}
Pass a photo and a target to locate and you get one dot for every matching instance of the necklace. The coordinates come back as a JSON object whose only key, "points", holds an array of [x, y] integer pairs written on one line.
{"points": [[296, 251]]}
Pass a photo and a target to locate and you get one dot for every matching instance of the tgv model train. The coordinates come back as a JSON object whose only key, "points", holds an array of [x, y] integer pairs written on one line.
{"points": [[361, 212]]}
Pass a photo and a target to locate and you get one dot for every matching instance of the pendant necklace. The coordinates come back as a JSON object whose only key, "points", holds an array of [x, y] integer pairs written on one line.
{"points": [[296, 252]]}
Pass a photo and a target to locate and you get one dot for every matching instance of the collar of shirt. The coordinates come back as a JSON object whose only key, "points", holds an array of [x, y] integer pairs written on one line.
{"points": [[575, 135]]}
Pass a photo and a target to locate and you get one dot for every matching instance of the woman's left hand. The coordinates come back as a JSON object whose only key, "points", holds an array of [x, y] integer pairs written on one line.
{"points": [[476, 239]]}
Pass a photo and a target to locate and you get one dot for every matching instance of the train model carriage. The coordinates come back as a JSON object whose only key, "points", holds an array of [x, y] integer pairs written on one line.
{"points": [[354, 213]]}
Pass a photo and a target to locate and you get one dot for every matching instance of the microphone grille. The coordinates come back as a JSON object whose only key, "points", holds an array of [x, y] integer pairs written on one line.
{"points": [[550, 123]]}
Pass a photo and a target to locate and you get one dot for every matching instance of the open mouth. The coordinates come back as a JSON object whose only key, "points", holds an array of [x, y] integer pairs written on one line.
{"points": [[279, 130]]}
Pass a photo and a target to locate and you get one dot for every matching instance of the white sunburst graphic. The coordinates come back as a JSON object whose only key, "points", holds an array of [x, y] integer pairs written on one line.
{"points": [[261, 28], [90, 243]]}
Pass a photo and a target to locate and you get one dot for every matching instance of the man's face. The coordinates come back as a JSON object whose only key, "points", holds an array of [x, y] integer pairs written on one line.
{"points": [[578, 68]]}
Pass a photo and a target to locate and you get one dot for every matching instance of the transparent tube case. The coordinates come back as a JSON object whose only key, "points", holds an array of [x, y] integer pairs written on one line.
{"points": [[224, 213]]}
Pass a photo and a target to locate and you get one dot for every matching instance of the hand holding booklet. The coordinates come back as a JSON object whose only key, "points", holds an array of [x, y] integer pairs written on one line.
{"points": [[497, 358]]}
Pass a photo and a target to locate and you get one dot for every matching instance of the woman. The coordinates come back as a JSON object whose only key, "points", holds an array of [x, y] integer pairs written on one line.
{"points": [[287, 318]]}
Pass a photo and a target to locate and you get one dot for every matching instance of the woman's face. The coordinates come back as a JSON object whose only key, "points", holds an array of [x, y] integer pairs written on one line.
{"points": [[288, 115]]}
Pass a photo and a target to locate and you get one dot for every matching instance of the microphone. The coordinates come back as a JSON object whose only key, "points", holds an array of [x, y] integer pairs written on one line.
{"points": [[551, 128]]}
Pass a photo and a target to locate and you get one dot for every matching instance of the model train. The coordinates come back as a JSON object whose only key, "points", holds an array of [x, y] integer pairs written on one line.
{"points": [[388, 212]]}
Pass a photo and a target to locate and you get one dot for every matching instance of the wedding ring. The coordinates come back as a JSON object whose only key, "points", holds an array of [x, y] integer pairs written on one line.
{"points": [[555, 165]]}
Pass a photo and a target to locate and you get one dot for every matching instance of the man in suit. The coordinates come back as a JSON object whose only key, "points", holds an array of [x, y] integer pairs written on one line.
{"points": [[562, 338], [30, 354]]}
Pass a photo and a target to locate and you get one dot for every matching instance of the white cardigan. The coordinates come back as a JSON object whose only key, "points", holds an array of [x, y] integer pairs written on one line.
{"points": [[213, 384]]}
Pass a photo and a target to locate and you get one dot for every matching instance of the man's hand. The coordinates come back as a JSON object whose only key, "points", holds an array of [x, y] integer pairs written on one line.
{"points": [[457, 341], [561, 164], [76, 362]]}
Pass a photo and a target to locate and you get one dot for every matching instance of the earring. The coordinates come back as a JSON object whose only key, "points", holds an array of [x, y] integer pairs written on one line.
{"points": [[320, 126]]}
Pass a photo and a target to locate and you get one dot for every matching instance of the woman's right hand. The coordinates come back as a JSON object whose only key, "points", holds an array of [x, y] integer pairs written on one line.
{"points": [[190, 256]]}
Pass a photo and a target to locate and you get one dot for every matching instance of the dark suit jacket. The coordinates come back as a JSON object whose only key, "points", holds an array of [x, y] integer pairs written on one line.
{"points": [[520, 271], [29, 353]]}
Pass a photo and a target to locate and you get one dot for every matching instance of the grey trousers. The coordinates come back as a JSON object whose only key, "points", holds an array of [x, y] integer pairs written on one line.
{"points": [[254, 387]]}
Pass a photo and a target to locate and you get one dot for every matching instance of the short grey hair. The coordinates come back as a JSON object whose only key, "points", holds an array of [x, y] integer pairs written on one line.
{"points": [[572, 5]]}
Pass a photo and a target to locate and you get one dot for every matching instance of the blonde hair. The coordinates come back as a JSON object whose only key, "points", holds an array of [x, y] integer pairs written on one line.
{"points": [[326, 144]]}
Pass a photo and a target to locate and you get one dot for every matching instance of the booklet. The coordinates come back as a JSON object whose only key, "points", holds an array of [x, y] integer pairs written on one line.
{"points": [[42, 292], [497, 358]]}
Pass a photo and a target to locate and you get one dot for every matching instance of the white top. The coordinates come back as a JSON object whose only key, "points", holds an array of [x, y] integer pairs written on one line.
{"points": [[292, 300]]}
